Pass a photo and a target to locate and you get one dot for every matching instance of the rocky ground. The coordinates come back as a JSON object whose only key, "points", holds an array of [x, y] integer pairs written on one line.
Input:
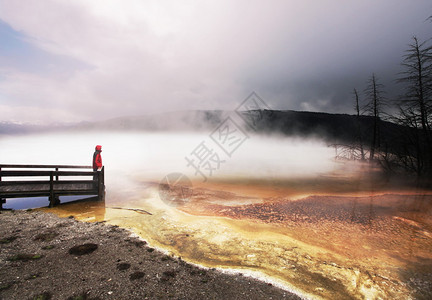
{"points": [[43, 256]]}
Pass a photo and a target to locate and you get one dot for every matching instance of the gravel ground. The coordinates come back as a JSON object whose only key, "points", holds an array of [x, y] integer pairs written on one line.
{"points": [[43, 256]]}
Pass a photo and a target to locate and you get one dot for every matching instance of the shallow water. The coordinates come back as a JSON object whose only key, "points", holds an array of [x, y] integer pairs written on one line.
{"points": [[321, 228]]}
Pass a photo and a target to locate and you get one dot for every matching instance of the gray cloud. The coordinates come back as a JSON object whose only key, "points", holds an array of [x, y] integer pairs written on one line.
{"points": [[102, 59]]}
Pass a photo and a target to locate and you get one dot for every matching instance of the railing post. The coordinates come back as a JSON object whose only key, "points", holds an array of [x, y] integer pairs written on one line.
{"points": [[51, 197], [2, 200], [101, 184], [57, 177]]}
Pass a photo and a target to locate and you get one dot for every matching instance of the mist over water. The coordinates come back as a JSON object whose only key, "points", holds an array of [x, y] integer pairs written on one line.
{"points": [[153, 155]]}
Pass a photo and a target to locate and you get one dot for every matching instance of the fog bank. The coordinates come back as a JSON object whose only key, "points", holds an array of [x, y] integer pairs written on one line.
{"points": [[153, 155]]}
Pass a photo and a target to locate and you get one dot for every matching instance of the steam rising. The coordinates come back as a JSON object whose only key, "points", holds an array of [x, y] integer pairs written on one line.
{"points": [[153, 155]]}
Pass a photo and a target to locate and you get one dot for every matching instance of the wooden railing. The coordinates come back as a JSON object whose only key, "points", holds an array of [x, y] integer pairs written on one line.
{"points": [[18, 181]]}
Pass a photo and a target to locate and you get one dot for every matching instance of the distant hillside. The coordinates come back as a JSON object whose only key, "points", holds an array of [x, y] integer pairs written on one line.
{"points": [[173, 121], [336, 128], [177, 121], [10, 128], [331, 127]]}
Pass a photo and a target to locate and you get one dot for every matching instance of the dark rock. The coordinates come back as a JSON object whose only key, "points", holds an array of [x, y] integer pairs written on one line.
{"points": [[123, 266], [136, 275], [166, 275], [169, 273], [140, 243], [83, 249], [165, 258]]}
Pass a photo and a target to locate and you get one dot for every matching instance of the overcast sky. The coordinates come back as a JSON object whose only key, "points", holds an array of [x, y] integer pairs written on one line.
{"points": [[97, 59]]}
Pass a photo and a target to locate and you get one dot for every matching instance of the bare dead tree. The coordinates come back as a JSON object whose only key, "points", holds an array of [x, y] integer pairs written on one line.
{"points": [[374, 108], [418, 75], [359, 133], [409, 149], [416, 104]]}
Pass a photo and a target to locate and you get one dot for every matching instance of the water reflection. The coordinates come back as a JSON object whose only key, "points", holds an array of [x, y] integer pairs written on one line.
{"points": [[88, 210]]}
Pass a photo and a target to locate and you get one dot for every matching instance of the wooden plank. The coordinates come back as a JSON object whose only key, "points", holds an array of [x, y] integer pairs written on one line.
{"points": [[2, 200], [47, 186], [44, 166], [31, 182], [27, 194], [22, 188], [44, 173], [52, 198], [47, 194]]}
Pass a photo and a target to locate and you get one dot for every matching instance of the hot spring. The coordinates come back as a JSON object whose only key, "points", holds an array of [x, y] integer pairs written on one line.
{"points": [[281, 209]]}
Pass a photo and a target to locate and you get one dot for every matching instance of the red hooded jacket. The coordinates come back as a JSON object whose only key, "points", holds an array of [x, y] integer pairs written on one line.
{"points": [[97, 158]]}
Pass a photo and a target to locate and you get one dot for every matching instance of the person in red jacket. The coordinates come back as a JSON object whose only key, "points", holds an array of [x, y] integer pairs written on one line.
{"points": [[97, 158]]}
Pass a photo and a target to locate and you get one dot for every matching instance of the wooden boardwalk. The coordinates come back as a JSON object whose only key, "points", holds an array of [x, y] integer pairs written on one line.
{"points": [[52, 181]]}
